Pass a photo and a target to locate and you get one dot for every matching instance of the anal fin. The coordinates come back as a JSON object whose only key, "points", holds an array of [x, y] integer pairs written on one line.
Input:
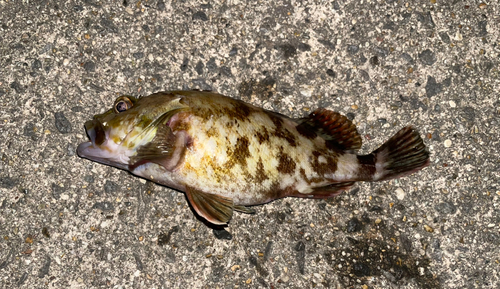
{"points": [[244, 209], [329, 191], [215, 209]]}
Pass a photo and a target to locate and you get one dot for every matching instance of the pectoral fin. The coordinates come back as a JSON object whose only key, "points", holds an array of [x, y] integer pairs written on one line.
{"points": [[161, 146], [215, 209], [166, 149]]}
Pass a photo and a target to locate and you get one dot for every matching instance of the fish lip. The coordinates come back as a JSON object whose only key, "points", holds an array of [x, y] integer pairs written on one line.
{"points": [[95, 131], [84, 150], [80, 150]]}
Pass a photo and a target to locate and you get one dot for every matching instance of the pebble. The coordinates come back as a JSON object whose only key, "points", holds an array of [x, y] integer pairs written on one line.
{"points": [[432, 87], [447, 143], [381, 52], [306, 91], [138, 55], [70, 150], [233, 51], [200, 15], [199, 67], [428, 228], [184, 64], [354, 225], [374, 61], [110, 186], [400, 194], [37, 65], [331, 73], [62, 123], [211, 64], [444, 36], [446, 208], [452, 104], [89, 66], [235, 267], [304, 47], [8, 183], [428, 57], [352, 49], [103, 206]]}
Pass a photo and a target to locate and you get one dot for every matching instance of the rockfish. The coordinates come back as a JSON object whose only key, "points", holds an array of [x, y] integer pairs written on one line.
{"points": [[227, 155]]}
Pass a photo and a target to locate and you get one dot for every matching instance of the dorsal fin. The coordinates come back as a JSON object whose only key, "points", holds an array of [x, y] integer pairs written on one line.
{"points": [[337, 130]]}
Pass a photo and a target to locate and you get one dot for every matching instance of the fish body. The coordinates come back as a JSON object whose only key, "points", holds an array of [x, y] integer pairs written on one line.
{"points": [[227, 155]]}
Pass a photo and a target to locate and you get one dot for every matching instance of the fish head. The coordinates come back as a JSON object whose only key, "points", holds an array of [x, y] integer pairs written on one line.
{"points": [[117, 134]]}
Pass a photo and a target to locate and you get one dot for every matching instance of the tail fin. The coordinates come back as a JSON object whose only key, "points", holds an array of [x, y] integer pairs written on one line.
{"points": [[402, 155]]}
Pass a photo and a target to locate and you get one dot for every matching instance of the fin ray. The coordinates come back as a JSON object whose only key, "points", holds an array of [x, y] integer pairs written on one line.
{"points": [[403, 154], [244, 209], [162, 147], [327, 191], [338, 131], [215, 209]]}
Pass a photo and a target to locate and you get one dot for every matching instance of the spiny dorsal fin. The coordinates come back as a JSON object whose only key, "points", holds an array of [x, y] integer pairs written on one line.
{"points": [[336, 129], [215, 209]]}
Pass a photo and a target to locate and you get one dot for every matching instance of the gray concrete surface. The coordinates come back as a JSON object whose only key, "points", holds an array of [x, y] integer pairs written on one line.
{"points": [[66, 222]]}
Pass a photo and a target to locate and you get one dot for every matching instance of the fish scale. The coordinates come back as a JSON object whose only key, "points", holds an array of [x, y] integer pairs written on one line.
{"points": [[227, 155]]}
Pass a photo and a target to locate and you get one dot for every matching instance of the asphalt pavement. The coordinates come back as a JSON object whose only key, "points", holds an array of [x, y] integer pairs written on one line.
{"points": [[66, 222]]}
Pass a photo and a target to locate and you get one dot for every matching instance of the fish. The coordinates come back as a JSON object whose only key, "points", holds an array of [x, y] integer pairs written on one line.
{"points": [[227, 155]]}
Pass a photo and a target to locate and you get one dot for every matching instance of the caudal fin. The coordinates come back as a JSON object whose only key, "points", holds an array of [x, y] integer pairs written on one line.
{"points": [[402, 155]]}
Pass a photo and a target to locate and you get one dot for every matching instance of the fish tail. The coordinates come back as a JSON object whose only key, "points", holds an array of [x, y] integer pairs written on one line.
{"points": [[402, 155]]}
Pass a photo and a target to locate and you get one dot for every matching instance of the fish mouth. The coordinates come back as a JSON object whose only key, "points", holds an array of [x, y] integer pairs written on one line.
{"points": [[93, 149], [95, 131]]}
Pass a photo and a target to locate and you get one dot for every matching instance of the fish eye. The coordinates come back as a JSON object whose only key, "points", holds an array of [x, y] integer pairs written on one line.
{"points": [[122, 104]]}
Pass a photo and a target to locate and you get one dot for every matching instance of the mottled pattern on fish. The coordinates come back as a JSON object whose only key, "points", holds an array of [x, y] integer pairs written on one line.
{"points": [[227, 154], [250, 155]]}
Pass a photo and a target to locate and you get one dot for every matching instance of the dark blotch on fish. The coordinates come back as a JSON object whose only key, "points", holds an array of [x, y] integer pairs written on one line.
{"points": [[286, 164]]}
